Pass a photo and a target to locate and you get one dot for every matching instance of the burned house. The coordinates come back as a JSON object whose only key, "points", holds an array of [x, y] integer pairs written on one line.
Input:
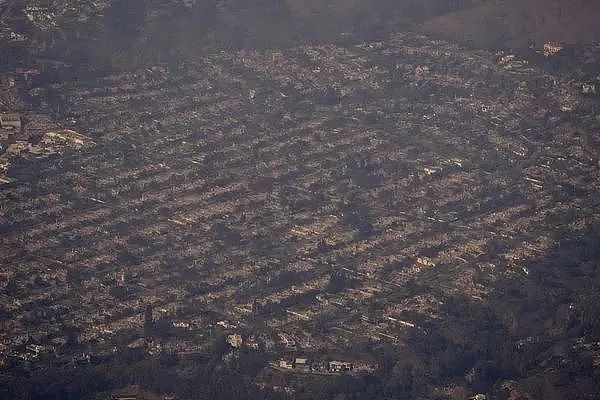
{"points": [[340, 366], [302, 365], [10, 122]]}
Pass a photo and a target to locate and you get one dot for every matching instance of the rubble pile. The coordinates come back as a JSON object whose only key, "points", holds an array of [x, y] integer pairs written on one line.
{"points": [[333, 193]]}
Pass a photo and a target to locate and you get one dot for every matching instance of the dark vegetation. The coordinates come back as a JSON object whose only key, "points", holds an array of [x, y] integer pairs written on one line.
{"points": [[132, 33]]}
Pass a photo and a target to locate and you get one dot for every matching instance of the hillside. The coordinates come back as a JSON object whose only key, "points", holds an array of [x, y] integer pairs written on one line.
{"points": [[516, 23], [130, 33]]}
